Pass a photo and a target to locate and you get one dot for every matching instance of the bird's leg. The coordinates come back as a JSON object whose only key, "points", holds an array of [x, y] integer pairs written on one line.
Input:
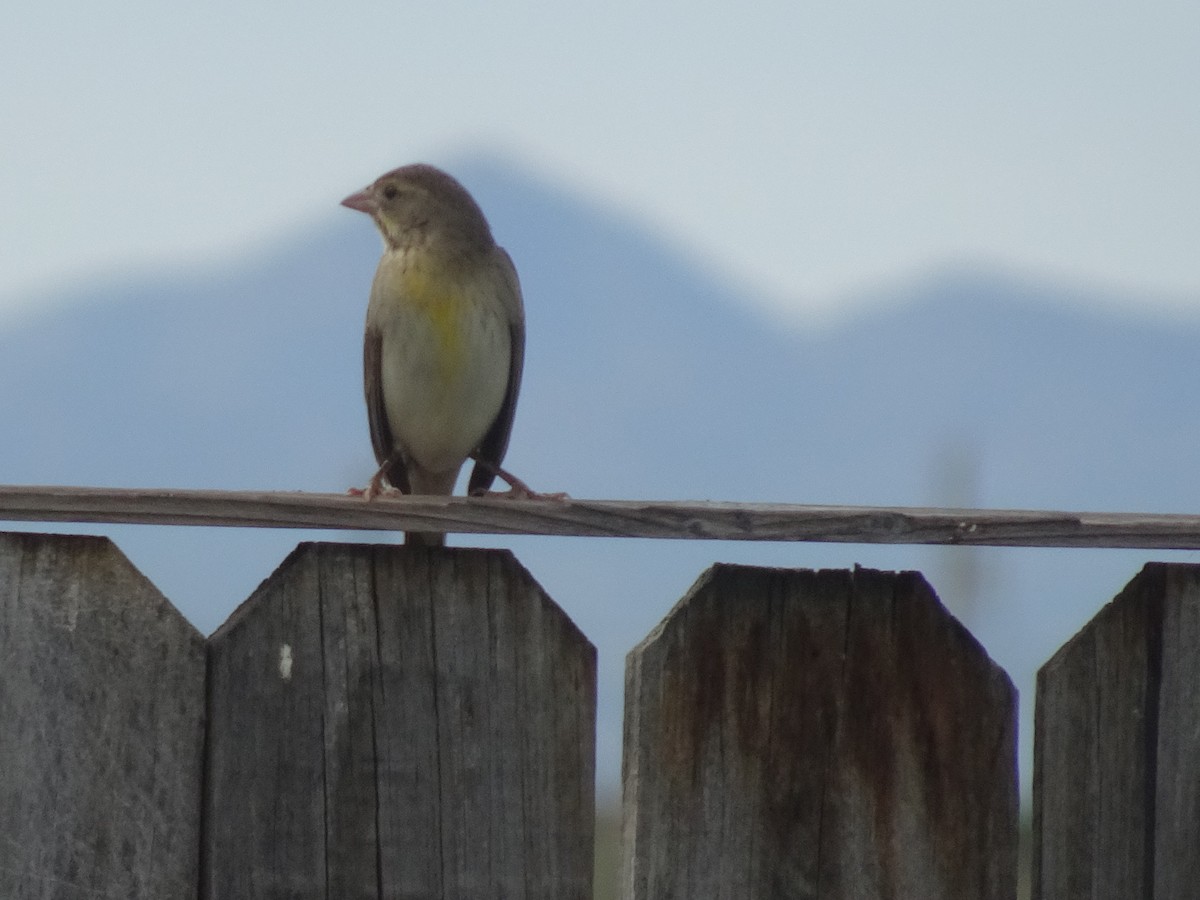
{"points": [[517, 489], [375, 486]]}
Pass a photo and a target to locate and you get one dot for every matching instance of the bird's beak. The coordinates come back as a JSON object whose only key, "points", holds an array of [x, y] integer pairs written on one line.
{"points": [[363, 201]]}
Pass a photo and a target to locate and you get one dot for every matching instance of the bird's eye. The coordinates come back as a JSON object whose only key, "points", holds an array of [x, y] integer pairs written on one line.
{"points": [[390, 192]]}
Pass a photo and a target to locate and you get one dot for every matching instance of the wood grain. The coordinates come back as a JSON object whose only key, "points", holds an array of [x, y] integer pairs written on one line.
{"points": [[1117, 748], [694, 520], [101, 726], [400, 722], [817, 735]]}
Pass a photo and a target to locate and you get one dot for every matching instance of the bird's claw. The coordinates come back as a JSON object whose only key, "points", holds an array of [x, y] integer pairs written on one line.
{"points": [[522, 491], [375, 488]]}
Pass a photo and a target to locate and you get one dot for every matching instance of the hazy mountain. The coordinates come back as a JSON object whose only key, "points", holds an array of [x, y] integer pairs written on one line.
{"points": [[646, 377]]}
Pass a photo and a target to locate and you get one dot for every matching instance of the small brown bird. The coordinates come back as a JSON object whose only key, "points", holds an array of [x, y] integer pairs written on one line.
{"points": [[445, 338]]}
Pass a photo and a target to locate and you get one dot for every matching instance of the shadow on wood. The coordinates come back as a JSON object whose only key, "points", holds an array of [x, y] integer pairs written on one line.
{"points": [[817, 734], [101, 726], [399, 722]]}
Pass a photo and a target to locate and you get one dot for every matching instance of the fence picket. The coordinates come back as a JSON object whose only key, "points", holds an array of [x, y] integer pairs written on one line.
{"points": [[101, 726], [400, 722], [817, 734], [1116, 796]]}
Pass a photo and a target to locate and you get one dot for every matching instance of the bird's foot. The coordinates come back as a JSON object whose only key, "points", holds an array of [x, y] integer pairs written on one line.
{"points": [[517, 489], [522, 491], [375, 488]]}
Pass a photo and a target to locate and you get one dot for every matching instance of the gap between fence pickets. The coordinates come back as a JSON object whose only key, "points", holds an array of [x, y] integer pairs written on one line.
{"points": [[697, 520]]}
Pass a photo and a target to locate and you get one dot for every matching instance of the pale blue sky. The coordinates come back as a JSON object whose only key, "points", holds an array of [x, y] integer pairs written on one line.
{"points": [[808, 151]]}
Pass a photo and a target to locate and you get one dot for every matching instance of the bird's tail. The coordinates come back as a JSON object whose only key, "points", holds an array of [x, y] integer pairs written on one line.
{"points": [[423, 481]]}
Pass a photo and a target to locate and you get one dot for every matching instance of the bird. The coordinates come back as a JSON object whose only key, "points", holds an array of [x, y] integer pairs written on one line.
{"points": [[445, 339]]}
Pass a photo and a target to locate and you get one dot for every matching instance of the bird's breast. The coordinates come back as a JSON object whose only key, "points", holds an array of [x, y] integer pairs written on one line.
{"points": [[444, 357], [445, 309]]}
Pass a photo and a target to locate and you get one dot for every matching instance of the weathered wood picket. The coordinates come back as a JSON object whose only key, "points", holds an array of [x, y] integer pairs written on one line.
{"points": [[1117, 748], [817, 734], [389, 722]]}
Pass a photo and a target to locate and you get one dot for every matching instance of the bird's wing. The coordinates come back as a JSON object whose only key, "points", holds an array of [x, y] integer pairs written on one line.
{"points": [[381, 435], [495, 442]]}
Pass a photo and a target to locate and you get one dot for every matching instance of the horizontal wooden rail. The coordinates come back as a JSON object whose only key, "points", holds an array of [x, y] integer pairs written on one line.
{"points": [[696, 520]]}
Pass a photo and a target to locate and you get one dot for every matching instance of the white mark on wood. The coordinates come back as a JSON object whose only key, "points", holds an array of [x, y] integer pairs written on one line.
{"points": [[285, 662]]}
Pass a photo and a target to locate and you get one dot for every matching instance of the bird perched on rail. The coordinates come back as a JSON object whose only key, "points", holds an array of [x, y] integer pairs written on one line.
{"points": [[445, 339]]}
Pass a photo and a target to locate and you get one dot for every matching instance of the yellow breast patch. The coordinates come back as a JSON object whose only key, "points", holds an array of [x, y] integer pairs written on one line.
{"points": [[442, 302]]}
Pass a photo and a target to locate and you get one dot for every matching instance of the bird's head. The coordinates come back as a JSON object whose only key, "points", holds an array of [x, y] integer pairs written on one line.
{"points": [[422, 203]]}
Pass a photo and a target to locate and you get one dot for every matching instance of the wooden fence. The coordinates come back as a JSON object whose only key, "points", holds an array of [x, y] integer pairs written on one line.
{"points": [[388, 722]]}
